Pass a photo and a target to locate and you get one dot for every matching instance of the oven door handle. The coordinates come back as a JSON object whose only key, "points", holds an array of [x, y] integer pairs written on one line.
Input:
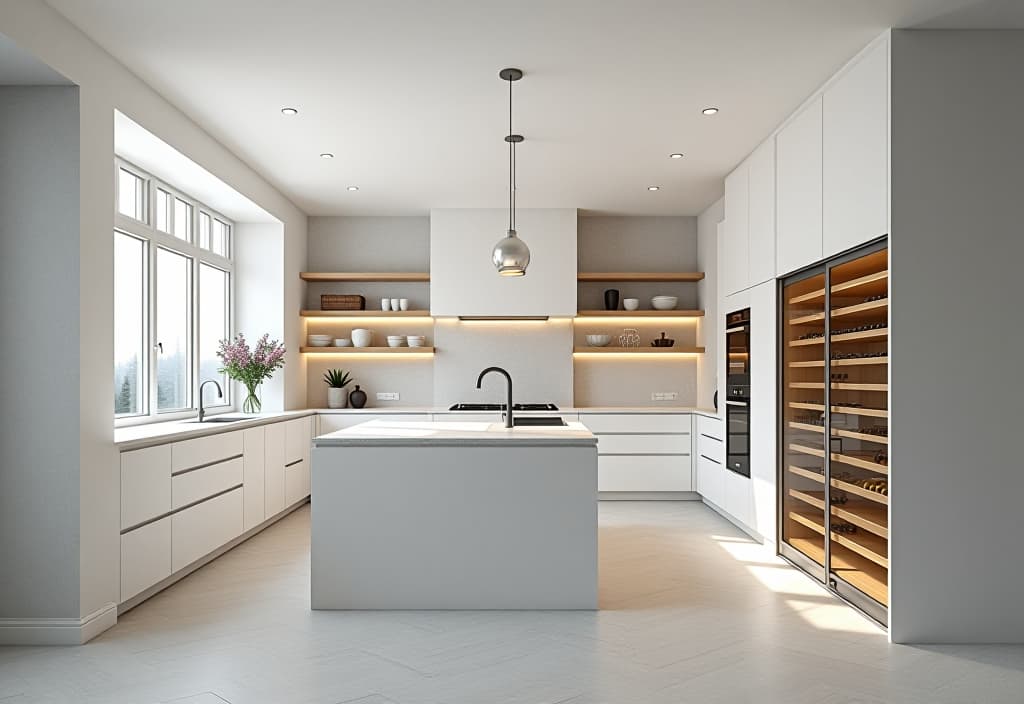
{"points": [[744, 404]]}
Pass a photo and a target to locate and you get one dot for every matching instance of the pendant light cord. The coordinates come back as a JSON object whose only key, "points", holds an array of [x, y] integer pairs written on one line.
{"points": [[511, 166]]}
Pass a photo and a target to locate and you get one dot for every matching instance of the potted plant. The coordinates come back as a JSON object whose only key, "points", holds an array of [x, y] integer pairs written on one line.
{"points": [[337, 380], [251, 367]]}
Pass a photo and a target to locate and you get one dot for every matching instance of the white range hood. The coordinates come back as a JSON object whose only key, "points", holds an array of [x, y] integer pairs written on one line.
{"points": [[464, 282]]}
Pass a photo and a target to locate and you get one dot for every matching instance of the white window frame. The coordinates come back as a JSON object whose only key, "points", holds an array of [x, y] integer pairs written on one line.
{"points": [[155, 239]]}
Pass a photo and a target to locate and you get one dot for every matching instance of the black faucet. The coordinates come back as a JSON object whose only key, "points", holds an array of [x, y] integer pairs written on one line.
{"points": [[508, 378], [220, 394]]}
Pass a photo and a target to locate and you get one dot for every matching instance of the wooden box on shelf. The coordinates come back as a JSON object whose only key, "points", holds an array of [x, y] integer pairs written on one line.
{"points": [[340, 301]]}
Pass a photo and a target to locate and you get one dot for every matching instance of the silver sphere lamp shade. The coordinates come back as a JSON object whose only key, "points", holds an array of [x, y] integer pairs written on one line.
{"points": [[511, 255]]}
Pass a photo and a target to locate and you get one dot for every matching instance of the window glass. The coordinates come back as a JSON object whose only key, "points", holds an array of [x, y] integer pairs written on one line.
{"points": [[204, 230], [131, 194], [221, 234], [182, 220], [173, 311], [163, 210], [129, 325], [213, 325]]}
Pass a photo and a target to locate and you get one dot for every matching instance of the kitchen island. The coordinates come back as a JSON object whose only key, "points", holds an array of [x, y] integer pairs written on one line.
{"points": [[454, 515]]}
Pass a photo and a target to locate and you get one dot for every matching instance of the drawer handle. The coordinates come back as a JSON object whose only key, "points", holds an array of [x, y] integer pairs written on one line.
{"points": [[179, 510], [204, 466], [711, 459], [292, 464]]}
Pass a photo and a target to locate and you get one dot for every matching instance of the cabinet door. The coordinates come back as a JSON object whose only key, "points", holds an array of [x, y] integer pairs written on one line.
{"points": [[145, 484], [201, 529], [145, 557], [763, 370], [798, 170], [856, 154], [761, 231], [648, 473], [296, 481], [296, 440], [738, 500], [254, 471], [274, 484], [734, 267], [710, 480]]}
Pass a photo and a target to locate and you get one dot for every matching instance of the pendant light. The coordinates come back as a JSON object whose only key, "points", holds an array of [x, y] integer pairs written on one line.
{"points": [[511, 255]]}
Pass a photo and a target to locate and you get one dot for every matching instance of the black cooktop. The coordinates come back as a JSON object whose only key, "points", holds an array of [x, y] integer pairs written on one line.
{"points": [[501, 407]]}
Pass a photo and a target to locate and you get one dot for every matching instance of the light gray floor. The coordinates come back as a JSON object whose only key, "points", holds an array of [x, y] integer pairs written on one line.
{"points": [[691, 612]]}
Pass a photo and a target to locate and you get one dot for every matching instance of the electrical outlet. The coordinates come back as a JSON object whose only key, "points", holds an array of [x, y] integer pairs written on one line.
{"points": [[664, 396], [387, 396]]}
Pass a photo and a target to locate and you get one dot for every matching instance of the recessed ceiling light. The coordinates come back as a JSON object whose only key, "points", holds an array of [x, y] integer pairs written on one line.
{"points": [[289, 111], [676, 155], [710, 111], [654, 188], [326, 155], [353, 188]]}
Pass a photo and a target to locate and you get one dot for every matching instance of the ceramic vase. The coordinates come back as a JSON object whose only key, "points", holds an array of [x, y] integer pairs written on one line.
{"points": [[611, 299], [337, 398], [357, 398]]}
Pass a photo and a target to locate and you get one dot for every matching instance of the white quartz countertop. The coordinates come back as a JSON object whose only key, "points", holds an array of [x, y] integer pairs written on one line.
{"points": [[422, 433], [139, 436], [411, 410]]}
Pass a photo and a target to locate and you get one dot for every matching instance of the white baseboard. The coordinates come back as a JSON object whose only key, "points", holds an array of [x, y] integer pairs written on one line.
{"points": [[648, 496], [739, 524], [57, 631]]}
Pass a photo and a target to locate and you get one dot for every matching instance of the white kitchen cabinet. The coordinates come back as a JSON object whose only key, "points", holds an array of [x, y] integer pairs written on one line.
{"points": [[737, 499], [205, 450], [330, 422], [761, 214], [274, 472], [296, 482], [710, 480], [642, 452], [762, 482], [254, 476], [598, 423], [463, 280], [644, 473], [145, 484], [201, 529], [297, 447], [709, 456], [145, 557], [856, 154], [297, 439], [799, 190], [735, 264], [197, 484], [643, 444]]}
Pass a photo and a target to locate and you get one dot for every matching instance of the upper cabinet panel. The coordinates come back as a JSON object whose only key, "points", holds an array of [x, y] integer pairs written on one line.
{"points": [[733, 266], [856, 154], [798, 169], [761, 250], [463, 281]]}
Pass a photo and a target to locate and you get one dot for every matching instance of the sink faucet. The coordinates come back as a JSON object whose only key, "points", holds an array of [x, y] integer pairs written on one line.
{"points": [[508, 378], [220, 394]]}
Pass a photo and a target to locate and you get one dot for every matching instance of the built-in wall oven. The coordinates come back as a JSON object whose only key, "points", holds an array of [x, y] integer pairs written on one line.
{"points": [[737, 396]]}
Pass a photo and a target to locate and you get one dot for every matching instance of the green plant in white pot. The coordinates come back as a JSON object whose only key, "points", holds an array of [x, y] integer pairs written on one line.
{"points": [[337, 394]]}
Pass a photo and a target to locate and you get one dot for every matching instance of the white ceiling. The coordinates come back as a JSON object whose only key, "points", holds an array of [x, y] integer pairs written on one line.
{"points": [[20, 68], [405, 93]]}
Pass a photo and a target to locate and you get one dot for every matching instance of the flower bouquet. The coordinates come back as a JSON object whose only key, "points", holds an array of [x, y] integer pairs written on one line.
{"points": [[251, 366]]}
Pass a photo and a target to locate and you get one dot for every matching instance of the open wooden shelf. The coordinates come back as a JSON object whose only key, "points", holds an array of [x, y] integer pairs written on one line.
{"points": [[638, 350], [860, 309], [863, 335], [640, 276], [860, 362], [367, 350], [846, 386], [862, 574], [362, 276], [859, 462], [871, 517], [808, 319], [640, 314], [365, 313], [861, 282], [853, 434]]}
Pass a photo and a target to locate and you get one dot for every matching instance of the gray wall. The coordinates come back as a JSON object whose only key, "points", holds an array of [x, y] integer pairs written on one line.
{"points": [[39, 376], [956, 252]]}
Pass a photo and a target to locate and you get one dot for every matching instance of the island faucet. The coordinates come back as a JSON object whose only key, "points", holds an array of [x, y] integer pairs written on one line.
{"points": [[220, 394], [508, 379]]}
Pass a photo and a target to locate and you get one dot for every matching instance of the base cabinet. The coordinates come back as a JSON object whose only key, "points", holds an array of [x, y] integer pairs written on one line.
{"points": [[642, 453], [274, 483], [145, 557], [201, 529], [254, 471], [639, 473]]}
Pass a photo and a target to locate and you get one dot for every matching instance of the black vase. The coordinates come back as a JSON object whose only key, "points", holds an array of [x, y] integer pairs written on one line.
{"points": [[611, 299], [357, 399]]}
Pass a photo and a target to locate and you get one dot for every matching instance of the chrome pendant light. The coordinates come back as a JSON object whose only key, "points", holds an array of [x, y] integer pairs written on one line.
{"points": [[511, 255]]}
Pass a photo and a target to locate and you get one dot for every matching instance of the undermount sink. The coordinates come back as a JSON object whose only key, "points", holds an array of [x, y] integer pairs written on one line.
{"points": [[217, 419], [537, 420]]}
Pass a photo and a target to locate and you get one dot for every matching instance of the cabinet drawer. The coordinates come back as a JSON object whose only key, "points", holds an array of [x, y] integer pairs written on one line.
{"points": [[329, 422], [145, 484], [296, 482], [296, 439], [644, 473], [712, 449], [637, 422], [712, 427], [710, 480], [213, 448], [198, 484], [643, 444], [200, 530], [145, 557]]}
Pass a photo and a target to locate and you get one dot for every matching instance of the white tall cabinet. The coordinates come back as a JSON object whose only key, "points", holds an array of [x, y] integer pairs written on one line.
{"points": [[798, 173], [749, 246], [733, 266]]}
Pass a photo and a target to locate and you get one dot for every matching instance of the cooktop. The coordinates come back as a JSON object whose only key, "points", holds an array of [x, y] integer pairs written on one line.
{"points": [[501, 407]]}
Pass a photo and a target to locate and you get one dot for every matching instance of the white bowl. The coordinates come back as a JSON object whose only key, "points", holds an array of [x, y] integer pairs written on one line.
{"points": [[396, 342], [342, 342], [630, 303], [417, 343], [320, 343], [664, 302], [598, 340]]}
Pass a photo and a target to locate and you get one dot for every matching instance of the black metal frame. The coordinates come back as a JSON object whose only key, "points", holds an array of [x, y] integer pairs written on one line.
{"points": [[822, 574]]}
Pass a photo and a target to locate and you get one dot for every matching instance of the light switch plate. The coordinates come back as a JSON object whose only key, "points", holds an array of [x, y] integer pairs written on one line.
{"points": [[387, 396], [664, 396]]}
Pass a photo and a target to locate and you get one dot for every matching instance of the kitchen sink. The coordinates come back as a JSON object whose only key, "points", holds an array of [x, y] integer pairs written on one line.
{"points": [[537, 420], [217, 419]]}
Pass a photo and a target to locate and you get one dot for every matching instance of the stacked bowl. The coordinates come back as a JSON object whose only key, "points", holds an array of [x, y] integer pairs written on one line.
{"points": [[320, 340], [396, 340], [417, 340], [664, 302]]}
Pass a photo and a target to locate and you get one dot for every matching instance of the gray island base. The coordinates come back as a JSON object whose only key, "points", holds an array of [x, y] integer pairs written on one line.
{"points": [[409, 515]]}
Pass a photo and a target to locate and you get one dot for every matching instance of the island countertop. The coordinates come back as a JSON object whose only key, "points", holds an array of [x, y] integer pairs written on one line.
{"points": [[396, 433]]}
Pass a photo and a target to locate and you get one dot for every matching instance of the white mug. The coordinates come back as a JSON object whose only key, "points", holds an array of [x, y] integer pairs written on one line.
{"points": [[395, 304], [403, 303], [385, 304]]}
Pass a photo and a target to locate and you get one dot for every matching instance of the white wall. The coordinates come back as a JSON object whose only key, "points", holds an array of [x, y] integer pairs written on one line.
{"points": [[707, 298], [40, 374], [105, 85], [955, 257]]}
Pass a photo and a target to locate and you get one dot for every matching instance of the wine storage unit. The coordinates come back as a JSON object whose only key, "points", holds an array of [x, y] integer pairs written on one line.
{"points": [[834, 434]]}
